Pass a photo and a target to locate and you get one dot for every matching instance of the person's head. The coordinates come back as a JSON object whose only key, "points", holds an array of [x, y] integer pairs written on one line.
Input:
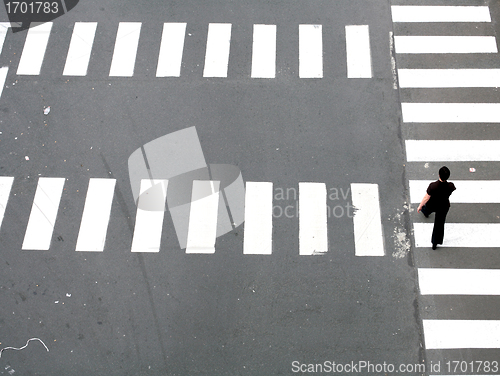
{"points": [[444, 173]]}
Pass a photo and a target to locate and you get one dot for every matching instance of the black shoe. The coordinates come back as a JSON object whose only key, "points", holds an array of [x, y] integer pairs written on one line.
{"points": [[434, 246]]}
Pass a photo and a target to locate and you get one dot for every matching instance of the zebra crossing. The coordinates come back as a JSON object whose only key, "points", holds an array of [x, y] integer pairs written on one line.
{"points": [[203, 218], [173, 42], [442, 332]]}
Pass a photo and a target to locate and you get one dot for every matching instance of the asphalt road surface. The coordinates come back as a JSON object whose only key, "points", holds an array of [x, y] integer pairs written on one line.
{"points": [[322, 273]]}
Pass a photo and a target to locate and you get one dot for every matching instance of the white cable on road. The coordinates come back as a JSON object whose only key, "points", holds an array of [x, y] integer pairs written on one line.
{"points": [[22, 348]]}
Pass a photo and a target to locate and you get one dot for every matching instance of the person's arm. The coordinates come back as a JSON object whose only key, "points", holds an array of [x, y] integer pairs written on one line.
{"points": [[424, 201]]}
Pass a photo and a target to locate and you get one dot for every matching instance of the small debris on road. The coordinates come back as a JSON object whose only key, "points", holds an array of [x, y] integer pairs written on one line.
{"points": [[472, 169], [46, 110]]}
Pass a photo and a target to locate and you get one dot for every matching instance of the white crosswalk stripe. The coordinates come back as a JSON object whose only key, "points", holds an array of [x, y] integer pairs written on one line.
{"points": [[264, 51], [445, 78], [4, 27], [451, 112], [449, 281], [359, 63], [171, 50], [33, 53], [417, 44], [313, 228], [436, 13], [127, 42], [468, 191], [462, 334], [43, 214], [96, 215], [258, 218], [80, 49], [3, 77], [470, 235], [149, 223], [172, 45], [452, 150], [310, 51], [5, 187], [368, 235], [217, 53], [205, 215]]}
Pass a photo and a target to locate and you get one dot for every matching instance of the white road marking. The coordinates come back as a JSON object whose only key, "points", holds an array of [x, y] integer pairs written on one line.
{"points": [[3, 77], [445, 78], [452, 150], [264, 51], [359, 61], [127, 41], [43, 214], [5, 187], [4, 27], [468, 191], [34, 49], [149, 223], [419, 13], [96, 213], [80, 49], [202, 231], [171, 49], [437, 281], [462, 334], [310, 51], [413, 44], [368, 235], [217, 53], [258, 238], [313, 227], [451, 112], [466, 235]]}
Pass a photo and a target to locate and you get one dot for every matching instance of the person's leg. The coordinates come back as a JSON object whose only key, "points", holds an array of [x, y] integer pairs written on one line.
{"points": [[438, 230]]}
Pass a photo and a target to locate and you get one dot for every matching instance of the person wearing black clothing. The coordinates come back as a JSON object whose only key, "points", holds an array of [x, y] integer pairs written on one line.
{"points": [[437, 200]]}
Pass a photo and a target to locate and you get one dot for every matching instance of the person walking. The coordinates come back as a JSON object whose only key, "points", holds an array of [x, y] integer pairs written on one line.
{"points": [[437, 200]]}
